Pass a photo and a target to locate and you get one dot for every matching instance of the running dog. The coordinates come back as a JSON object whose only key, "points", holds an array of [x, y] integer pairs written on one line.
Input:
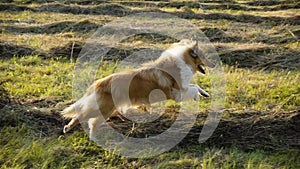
{"points": [[171, 73]]}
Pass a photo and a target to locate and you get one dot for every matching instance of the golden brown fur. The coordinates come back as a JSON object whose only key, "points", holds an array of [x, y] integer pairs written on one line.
{"points": [[171, 73]]}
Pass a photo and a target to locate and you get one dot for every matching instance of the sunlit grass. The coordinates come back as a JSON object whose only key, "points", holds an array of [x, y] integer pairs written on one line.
{"points": [[21, 148], [49, 17], [41, 41], [32, 76], [263, 90], [275, 13], [30, 139]]}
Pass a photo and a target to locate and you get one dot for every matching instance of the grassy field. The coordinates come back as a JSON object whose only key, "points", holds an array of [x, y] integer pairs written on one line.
{"points": [[257, 41]]}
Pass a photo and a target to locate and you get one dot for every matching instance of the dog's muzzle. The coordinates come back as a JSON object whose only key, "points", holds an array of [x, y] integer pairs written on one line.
{"points": [[201, 69]]}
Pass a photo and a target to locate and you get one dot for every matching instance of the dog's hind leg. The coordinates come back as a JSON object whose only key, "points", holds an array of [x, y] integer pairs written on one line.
{"points": [[71, 124], [89, 108], [95, 123], [82, 117], [92, 126]]}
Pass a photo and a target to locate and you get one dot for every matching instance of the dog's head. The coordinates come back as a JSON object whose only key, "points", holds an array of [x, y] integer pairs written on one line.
{"points": [[192, 55]]}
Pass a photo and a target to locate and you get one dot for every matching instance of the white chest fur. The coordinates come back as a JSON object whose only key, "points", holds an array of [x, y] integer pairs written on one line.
{"points": [[186, 73]]}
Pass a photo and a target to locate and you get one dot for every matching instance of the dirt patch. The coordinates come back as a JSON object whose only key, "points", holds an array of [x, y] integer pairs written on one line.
{"points": [[293, 5], [8, 50], [218, 35], [255, 130], [14, 8], [192, 4], [46, 124], [261, 58], [47, 102], [243, 18], [53, 28], [70, 50], [150, 38], [4, 96], [248, 130], [102, 9], [268, 2], [205, 5], [257, 58], [73, 49], [114, 53], [142, 130]]}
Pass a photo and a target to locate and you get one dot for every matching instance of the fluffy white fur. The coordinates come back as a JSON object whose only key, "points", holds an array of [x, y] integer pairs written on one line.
{"points": [[171, 73]]}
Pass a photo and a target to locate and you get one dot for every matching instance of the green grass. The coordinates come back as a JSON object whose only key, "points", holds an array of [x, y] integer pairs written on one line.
{"points": [[262, 102], [32, 77], [22, 148], [45, 17], [262, 90]]}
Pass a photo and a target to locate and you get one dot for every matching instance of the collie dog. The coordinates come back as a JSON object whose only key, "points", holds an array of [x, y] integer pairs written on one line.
{"points": [[171, 73]]}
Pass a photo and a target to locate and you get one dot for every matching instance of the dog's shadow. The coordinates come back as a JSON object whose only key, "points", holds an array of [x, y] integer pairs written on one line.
{"points": [[249, 130]]}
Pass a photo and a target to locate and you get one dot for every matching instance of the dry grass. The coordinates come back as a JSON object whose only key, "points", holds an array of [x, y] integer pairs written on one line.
{"points": [[258, 42]]}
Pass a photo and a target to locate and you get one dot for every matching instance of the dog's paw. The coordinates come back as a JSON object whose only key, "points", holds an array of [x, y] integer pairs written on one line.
{"points": [[201, 91], [66, 129]]}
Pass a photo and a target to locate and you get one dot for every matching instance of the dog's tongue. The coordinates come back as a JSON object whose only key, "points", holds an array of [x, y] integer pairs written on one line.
{"points": [[201, 69]]}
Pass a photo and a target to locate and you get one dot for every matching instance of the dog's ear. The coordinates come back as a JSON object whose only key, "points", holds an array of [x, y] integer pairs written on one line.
{"points": [[195, 51], [195, 46], [193, 54]]}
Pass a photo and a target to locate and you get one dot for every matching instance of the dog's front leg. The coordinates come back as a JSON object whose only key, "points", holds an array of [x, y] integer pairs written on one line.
{"points": [[190, 93], [201, 91]]}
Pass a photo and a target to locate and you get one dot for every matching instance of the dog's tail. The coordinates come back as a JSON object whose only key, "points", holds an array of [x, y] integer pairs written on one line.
{"points": [[69, 112]]}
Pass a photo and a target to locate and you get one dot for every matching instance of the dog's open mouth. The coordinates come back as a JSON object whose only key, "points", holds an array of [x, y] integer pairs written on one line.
{"points": [[201, 69]]}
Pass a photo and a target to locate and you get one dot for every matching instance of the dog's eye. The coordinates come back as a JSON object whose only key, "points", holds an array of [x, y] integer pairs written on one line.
{"points": [[193, 54]]}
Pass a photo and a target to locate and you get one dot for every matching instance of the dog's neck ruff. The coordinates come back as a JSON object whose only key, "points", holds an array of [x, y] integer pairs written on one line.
{"points": [[186, 71]]}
